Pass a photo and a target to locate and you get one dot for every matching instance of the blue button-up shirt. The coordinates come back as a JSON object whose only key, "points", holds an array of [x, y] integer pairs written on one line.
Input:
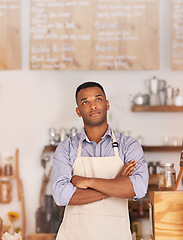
{"points": [[66, 153]]}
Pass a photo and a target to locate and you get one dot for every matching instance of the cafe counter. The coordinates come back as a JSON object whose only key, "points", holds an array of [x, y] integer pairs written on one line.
{"points": [[166, 215]]}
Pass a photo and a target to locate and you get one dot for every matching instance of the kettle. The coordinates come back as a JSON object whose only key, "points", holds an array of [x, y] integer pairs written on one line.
{"points": [[141, 99]]}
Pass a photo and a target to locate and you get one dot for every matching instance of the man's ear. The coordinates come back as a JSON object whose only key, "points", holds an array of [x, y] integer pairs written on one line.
{"points": [[78, 112], [108, 106]]}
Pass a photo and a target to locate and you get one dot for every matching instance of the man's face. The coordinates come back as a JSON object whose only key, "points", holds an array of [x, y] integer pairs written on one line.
{"points": [[92, 106]]}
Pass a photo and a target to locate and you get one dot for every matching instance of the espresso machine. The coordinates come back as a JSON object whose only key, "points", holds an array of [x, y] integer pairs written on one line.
{"points": [[49, 216]]}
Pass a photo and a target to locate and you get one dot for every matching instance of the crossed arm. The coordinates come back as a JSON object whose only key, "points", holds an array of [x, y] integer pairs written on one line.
{"points": [[94, 189]]}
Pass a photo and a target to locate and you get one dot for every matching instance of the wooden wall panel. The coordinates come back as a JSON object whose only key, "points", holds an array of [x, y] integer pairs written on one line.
{"points": [[94, 34], [177, 34], [10, 52]]}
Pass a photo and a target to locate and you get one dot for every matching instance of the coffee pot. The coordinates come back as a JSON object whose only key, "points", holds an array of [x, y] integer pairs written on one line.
{"points": [[157, 91]]}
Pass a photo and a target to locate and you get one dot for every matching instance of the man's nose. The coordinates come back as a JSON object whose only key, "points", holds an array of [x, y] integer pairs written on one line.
{"points": [[93, 105]]}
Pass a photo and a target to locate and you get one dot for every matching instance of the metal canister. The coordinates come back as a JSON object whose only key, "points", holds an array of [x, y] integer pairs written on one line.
{"points": [[167, 177], [151, 168], [158, 167]]}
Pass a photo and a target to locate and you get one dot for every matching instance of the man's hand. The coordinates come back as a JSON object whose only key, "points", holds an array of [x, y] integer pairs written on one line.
{"points": [[83, 182], [79, 182], [128, 168]]}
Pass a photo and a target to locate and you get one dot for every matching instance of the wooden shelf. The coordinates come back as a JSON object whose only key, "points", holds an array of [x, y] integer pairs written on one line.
{"points": [[49, 148], [7, 177], [162, 148], [147, 108], [20, 194], [41, 236]]}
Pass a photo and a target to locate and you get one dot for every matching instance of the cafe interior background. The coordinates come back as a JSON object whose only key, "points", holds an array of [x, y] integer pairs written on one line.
{"points": [[33, 101]]}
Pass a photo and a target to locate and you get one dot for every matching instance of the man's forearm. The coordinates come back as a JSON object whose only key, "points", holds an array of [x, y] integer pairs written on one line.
{"points": [[121, 186], [118, 187], [85, 196]]}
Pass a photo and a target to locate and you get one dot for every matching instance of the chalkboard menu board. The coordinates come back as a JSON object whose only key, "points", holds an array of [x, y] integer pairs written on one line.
{"points": [[10, 50], [177, 34], [94, 34]]}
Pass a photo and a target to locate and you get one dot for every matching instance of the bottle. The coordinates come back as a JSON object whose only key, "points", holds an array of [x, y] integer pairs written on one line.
{"points": [[141, 208], [167, 177], [8, 169]]}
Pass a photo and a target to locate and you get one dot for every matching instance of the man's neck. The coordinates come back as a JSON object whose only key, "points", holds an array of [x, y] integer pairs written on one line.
{"points": [[95, 133]]}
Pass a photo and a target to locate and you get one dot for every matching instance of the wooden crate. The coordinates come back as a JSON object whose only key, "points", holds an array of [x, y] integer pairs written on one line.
{"points": [[167, 213]]}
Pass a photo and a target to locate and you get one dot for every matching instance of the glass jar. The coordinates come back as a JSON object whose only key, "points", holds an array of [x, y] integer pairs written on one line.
{"points": [[5, 191], [167, 177], [52, 133]]}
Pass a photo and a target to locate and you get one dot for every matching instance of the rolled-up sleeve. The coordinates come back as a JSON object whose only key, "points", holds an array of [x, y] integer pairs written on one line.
{"points": [[62, 188], [140, 176]]}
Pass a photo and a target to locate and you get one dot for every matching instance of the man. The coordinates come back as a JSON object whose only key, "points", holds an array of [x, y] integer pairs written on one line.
{"points": [[96, 172]]}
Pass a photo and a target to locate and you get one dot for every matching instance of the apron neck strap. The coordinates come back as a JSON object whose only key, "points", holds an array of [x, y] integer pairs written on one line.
{"points": [[79, 149], [115, 146]]}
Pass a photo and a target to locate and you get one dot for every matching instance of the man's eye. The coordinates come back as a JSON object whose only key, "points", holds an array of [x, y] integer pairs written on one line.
{"points": [[99, 99], [84, 102]]}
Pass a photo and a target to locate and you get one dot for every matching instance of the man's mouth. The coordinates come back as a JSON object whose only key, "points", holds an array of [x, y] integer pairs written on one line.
{"points": [[94, 114]]}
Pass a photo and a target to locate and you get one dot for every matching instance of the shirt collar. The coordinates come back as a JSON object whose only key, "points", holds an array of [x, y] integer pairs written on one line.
{"points": [[84, 137]]}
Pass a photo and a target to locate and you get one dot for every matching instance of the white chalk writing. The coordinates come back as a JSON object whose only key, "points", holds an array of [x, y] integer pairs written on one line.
{"points": [[63, 48], [63, 32], [43, 48], [177, 34]]}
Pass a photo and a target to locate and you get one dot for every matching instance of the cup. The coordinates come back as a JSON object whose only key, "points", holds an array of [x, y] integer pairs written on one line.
{"points": [[166, 140], [175, 141], [178, 101]]}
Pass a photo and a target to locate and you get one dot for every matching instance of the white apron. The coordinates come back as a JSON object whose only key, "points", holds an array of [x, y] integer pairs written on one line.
{"points": [[107, 219]]}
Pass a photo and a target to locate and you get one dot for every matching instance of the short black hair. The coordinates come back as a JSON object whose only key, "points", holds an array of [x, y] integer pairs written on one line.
{"points": [[87, 85]]}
